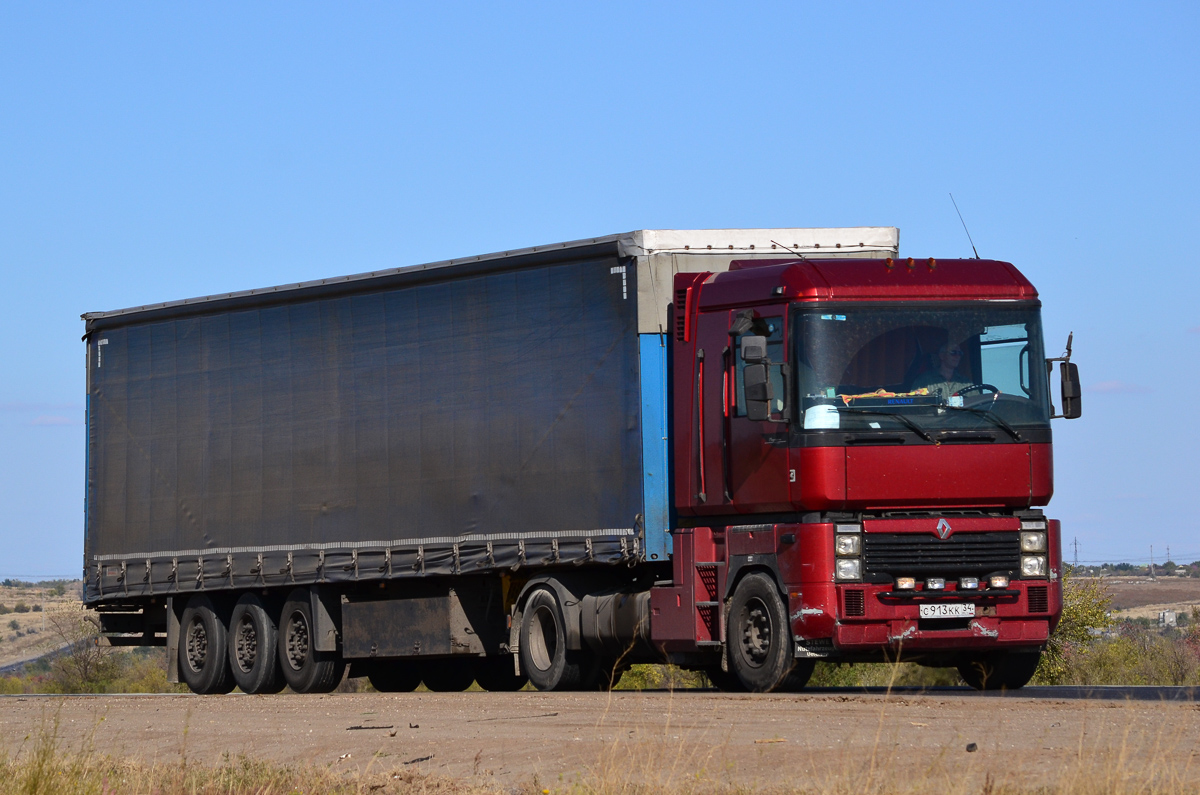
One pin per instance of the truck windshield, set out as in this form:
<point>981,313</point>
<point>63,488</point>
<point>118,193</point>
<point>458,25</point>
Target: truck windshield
<point>858,364</point>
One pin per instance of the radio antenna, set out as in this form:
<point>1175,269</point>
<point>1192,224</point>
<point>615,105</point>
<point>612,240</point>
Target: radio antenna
<point>794,251</point>
<point>964,223</point>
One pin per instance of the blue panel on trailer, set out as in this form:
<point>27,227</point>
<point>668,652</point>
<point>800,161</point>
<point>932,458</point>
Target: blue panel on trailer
<point>655,494</point>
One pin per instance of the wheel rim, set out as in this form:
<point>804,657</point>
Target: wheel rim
<point>297,641</point>
<point>196,645</point>
<point>245,644</point>
<point>543,638</point>
<point>756,632</point>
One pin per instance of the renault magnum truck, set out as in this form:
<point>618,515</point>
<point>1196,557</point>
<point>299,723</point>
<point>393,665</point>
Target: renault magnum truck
<point>740,451</point>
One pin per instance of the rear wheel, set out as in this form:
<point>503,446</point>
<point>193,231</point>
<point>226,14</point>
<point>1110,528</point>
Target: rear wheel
<point>203,665</point>
<point>394,676</point>
<point>447,676</point>
<point>496,674</point>
<point>1003,670</point>
<point>253,637</point>
<point>305,669</point>
<point>545,658</point>
<point>725,681</point>
<point>760,641</point>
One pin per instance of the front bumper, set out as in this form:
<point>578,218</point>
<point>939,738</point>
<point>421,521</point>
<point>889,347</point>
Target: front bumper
<point>857,619</point>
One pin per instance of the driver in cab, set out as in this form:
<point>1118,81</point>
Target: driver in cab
<point>944,379</point>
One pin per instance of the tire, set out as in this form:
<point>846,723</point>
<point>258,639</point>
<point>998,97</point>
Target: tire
<point>495,674</point>
<point>448,676</point>
<point>203,664</point>
<point>759,639</point>
<point>252,640</point>
<point>1004,670</point>
<point>305,669</point>
<point>725,681</point>
<point>543,642</point>
<point>797,678</point>
<point>394,676</point>
<point>602,675</point>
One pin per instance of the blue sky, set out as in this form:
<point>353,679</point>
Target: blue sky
<point>150,152</point>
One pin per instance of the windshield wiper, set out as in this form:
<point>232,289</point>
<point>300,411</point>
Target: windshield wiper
<point>987,414</point>
<point>917,429</point>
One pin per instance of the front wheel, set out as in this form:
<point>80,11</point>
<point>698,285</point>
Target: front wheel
<point>759,639</point>
<point>1004,670</point>
<point>305,669</point>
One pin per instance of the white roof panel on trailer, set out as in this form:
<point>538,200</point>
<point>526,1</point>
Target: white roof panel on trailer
<point>661,253</point>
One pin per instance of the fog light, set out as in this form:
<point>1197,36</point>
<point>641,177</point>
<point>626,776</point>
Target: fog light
<point>849,569</point>
<point>968,584</point>
<point>1033,542</point>
<point>998,581</point>
<point>905,583</point>
<point>847,545</point>
<point>1033,566</point>
<point>935,584</point>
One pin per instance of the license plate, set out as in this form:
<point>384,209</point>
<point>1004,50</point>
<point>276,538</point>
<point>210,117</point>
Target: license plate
<point>948,610</point>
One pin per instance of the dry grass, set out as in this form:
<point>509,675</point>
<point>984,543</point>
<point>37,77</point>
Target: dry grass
<point>1109,756</point>
<point>43,766</point>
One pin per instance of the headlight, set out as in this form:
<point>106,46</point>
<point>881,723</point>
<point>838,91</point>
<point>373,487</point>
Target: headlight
<point>847,545</point>
<point>849,569</point>
<point>968,583</point>
<point>1033,542</point>
<point>905,583</point>
<point>935,584</point>
<point>998,581</point>
<point>1033,566</point>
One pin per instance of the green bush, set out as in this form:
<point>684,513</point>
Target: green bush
<point>21,607</point>
<point>1086,604</point>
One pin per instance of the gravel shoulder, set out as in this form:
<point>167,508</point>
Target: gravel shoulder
<point>664,739</point>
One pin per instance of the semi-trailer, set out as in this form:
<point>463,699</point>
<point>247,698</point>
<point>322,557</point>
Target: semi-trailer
<point>739,451</point>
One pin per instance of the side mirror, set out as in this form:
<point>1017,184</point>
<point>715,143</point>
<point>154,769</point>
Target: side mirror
<point>754,349</point>
<point>1071,393</point>
<point>758,390</point>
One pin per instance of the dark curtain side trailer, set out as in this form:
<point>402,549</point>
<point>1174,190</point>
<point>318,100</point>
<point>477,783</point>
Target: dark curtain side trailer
<point>398,466</point>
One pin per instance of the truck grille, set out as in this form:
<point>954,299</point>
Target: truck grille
<point>912,554</point>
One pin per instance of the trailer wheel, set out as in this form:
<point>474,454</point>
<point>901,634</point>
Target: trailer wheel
<point>759,641</point>
<point>544,655</point>
<point>394,676</point>
<point>447,676</point>
<point>202,661</point>
<point>496,675</point>
<point>253,637</point>
<point>305,669</point>
<point>1004,670</point>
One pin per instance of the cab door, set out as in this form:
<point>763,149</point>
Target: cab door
<point>757,472</point>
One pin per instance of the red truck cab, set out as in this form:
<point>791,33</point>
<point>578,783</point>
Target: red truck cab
<point>866,442</point>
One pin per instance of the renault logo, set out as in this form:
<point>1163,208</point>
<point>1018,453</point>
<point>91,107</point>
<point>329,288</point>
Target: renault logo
<point>943,529</point>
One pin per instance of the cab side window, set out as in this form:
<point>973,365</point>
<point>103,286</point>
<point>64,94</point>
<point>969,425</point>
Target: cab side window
<point>772,329</point>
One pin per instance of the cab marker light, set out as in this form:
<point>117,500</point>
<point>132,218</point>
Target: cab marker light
<point>998,581</point>
<point>905,583</point>
<point>935,584</point>
<point>968,584</point>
